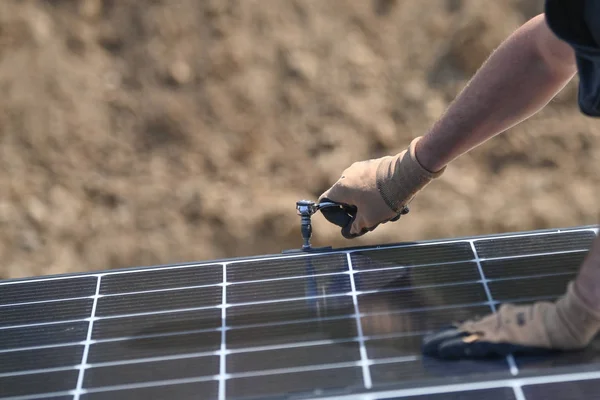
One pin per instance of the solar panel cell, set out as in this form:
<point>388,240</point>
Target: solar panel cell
<point>412,255</point>
<point>184,391</point>
<point>534,244</point>
<point>27,314</point>
<point>381,322</point>
<point>53,397</point>
<point>289,311</point>
<point>316,330</point>
<point>37,384</point>
<point>534,265</point>
<point>206,319</point>
<point>28,360</point>
<point>161,279</point>
<point>483,394</point>
<point>407,345</point>
<point>182,368</point>
<point>577,390</point>
<point>159,301</point>
<point>587,360</point>
<point>406,329</point>
<point>417,276</point>
<point>161,346</point>
<point>422,371</point>
<point>291,383</point>
<point>530,288</point>
<point>286,267</point>
<point>288,289</point>
<point>47,290</point>
<point>293,357</point>
<point>406,299</point>
<point>43,335</point>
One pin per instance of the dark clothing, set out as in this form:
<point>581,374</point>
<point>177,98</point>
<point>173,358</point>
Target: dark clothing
<point>577,22</point>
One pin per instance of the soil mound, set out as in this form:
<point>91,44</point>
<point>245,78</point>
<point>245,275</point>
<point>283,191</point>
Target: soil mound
<point>145,132</point>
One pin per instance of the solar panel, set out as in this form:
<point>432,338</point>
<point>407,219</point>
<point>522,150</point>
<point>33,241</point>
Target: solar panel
<point>340,323</point>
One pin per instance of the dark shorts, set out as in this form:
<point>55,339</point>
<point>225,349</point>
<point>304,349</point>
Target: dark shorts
<point>577,22</point>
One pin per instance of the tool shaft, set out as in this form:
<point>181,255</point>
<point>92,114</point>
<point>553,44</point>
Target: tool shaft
<point>306,229</point>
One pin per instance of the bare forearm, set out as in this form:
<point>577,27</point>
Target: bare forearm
<point>515,82</point>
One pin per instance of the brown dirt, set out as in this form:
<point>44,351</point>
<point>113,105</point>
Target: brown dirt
<point>143,132</point>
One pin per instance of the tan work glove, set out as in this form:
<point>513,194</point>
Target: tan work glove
<point>567,324</point>
<point>379,189</point>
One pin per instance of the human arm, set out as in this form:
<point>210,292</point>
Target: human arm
<point>524,73</point>
<point>520,77</point>
<point>573,320</point>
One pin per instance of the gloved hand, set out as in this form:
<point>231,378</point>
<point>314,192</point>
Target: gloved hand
<point>379,189</point>
<point>541,327</point>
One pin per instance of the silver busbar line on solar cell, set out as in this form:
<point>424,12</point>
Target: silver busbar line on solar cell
<point>334,324</point>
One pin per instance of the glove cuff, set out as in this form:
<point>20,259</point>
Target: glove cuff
<point>581,321</point>
<point>401,177</point>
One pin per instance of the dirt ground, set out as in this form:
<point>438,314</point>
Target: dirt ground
<point>138,132</point>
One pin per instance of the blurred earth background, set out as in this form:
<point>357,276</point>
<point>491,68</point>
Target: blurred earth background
<point>139,132</point>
